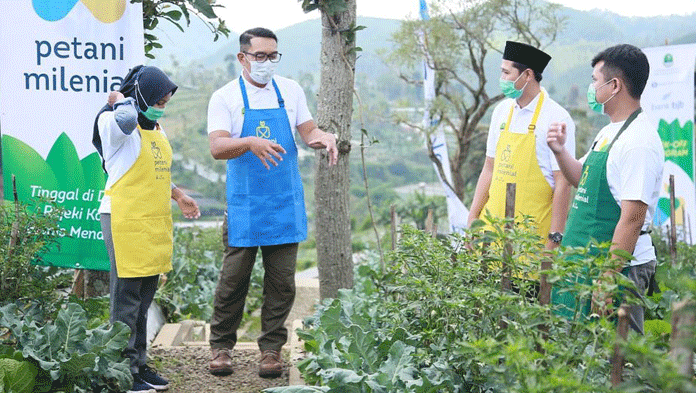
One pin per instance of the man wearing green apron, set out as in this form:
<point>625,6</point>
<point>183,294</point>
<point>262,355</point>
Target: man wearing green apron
<point>619,179</point>
<point>516,150</point>
<point>250,124</point>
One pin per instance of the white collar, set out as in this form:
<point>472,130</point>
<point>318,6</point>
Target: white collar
<point>532,104</point>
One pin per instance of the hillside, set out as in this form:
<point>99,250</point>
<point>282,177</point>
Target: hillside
<point>300,45</point>
<point>583,35</point>
<point>200,66</point>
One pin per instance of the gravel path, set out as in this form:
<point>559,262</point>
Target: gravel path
<point>187,371</point>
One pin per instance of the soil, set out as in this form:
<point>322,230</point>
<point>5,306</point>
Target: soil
<point>186,368</point>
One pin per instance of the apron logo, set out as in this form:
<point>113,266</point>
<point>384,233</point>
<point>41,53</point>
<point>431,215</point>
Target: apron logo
<point>156,152</point>
<point>263,131</point>
<point>583,179</point>
<point>506,154</point>
<point>502,125</point>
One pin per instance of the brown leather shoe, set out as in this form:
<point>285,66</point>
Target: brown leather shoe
<point>221,362</point>
<point>271,366</point>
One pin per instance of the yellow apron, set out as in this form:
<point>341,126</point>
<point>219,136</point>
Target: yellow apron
<point>516,162</point>
<point>141,212</point>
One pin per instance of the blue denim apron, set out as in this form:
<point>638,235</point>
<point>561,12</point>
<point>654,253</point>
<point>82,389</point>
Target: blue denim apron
<point>265,207</point>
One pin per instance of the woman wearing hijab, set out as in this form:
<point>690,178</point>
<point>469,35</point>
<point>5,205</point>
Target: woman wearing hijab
<point>136,217</point>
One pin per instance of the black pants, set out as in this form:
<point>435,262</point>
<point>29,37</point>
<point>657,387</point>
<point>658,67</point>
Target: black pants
<point>129,300</point>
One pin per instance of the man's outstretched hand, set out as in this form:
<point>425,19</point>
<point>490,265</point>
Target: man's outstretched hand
<point>266,150</point>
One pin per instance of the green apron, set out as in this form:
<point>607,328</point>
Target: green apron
<point>593,215</point>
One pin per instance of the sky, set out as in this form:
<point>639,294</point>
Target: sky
<point>276,14</point>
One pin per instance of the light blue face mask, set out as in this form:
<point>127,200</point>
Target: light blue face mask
<point>508,88</point>
<point>592,98</point>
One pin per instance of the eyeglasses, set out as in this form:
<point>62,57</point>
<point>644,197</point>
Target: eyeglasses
<point>261,56</point>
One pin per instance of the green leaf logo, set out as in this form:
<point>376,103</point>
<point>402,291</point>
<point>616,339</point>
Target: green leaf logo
<point>669,60</point>
<point>74,184</point>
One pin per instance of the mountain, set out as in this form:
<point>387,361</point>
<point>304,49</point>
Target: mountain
<point>604,26</point>
<point>588,32</point>
<point>583,34</point>
<point>300,45</point>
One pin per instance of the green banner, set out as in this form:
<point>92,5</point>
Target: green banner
<point>73,184</point>
<point>678,144</point>
<point>677,141</point>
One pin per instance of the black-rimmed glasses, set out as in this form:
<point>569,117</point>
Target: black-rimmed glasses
<point>261,56</point>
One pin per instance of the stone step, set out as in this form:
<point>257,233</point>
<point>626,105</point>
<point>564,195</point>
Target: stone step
<point>197,333</point>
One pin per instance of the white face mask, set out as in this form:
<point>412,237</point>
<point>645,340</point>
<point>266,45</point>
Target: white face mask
<point>262,73</point>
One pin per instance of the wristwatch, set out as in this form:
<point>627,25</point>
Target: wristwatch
<point>556,237</point>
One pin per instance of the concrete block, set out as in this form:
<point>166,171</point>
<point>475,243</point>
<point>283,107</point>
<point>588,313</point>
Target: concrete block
<point>166,335</point>
<point>155,321</point>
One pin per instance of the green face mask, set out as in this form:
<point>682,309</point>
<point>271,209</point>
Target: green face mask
<point>592,98</point>
<point>153,113</point>
<point>508,88</point>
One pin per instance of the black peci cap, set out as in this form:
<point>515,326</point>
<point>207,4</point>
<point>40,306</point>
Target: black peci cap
<point>534,58</point>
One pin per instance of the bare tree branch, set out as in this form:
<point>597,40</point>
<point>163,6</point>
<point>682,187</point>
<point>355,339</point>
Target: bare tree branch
<point>410,81</point>
<point>456,44</point>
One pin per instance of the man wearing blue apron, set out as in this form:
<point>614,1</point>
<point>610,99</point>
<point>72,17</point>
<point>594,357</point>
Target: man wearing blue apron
<point>618,180</point>
<point>250,124</point>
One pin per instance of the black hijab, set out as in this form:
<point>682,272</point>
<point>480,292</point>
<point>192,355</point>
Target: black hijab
<point>147,85</point>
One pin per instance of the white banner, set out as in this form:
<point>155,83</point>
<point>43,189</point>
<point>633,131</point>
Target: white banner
<point>668,100</point>
<point>60,59</point>
<point>457,213</point>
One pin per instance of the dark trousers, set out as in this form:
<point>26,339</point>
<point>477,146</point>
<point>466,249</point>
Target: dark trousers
<point>641,275</point>
<point>129,300</point>
<point>233,285</point>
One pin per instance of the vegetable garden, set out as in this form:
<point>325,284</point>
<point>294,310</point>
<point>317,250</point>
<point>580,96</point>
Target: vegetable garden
<point>436,319</point>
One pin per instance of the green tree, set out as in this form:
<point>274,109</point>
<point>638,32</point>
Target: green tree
<point>457,41</point>
<point>334,112</point>
<point>173,10</point>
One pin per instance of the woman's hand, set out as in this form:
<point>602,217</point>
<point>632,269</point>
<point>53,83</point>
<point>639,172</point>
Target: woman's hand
<point>188,206</point>
<point>114,97</point>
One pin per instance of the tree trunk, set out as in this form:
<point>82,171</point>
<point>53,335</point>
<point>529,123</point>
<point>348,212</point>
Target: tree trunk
<point>90,283</point>
<point>96,283</point>
<point>331,184</point>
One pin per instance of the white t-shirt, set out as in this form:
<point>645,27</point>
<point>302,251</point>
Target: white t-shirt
<point>120,152</point>
<point>634,171</point>
<point>226,104</point>
<point>521,118</point>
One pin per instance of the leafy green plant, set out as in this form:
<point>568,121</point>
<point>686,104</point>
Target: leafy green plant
<point>96,309</point>
<point>16,374</point>
<point>20,278</point>
<point>189,290</point>
<point>414,209</point>
<point>68,356</point>
<point>675,282</point>
<point>438,320</point>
